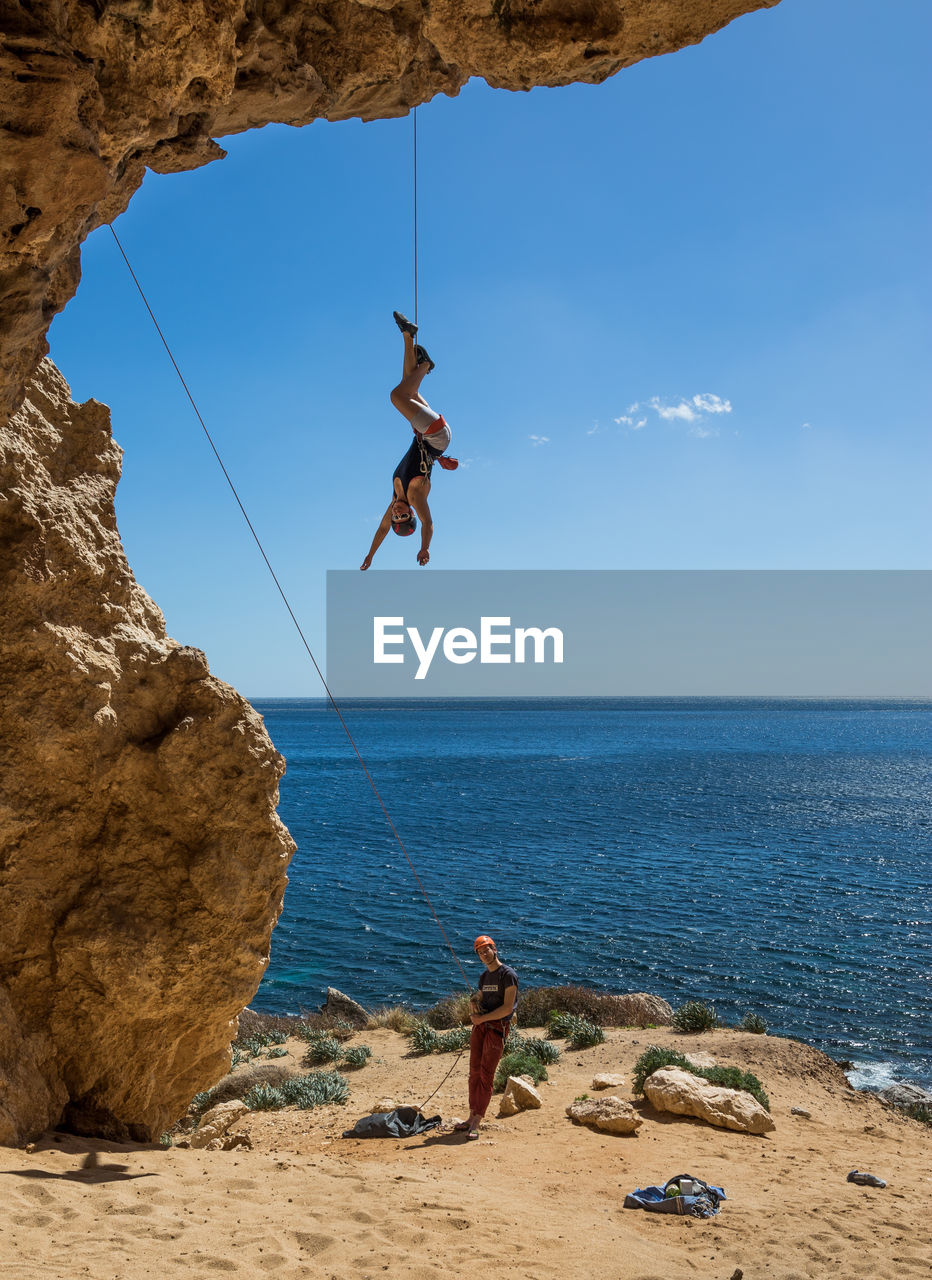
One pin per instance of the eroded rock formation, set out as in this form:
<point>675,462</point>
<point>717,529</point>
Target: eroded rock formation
<point>142,864</point>
<point>92,92</point>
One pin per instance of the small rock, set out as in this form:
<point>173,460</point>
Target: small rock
<point>801,1111</point>
<point>344,1009</point>
<point>217,1121</point>
<point>906,1095</point>
<point>609,1114</point>
<point>519,1095</point>
<point>608,1080</point>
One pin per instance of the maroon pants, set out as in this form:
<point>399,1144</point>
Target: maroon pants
<point>486,1045</point>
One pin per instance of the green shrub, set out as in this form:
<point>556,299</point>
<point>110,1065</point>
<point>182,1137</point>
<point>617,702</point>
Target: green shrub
<point>560,1024</point>
<point>254,1044</point>
<point>166,1140</point>
<point>315,1090</point>
<point>753,1023</point>
<point>518,1064</point>
<point>453,1041</point>
<point>424,1039</point>
<point>316,1026</point>
<point>356,1057</point>
<point>920,1111</point>
<point>695,1015</point>
<point>321,1050</point>
<point>543,1050</point>
<point>515,1040</point>
<point>585,1035</point>
<point>579,1033</point>
<point>278,1052</point>
<point>264,1097</point>
<point>654,1057</point>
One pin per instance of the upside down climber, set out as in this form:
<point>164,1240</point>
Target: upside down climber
<point>411,481</point>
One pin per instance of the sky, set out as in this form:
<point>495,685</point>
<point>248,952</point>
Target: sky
<point>681,320</point>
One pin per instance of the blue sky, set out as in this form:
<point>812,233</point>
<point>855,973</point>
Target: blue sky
<point>681,320</point>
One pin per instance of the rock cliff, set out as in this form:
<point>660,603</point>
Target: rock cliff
<point>142,864</point>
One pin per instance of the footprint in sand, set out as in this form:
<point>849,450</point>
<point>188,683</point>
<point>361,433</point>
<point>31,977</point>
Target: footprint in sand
<point>312,1243</point>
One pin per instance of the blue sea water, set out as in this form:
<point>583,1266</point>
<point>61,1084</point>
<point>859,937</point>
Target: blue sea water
<point>761,855</point>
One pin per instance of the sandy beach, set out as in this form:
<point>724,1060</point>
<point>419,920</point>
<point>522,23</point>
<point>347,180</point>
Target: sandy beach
<point>537,1195</point>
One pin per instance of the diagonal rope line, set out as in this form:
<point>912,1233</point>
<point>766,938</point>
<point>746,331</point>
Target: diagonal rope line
<point>291,612</point>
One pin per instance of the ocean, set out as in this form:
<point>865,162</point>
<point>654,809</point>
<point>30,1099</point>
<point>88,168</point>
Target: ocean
<point>767,856</point>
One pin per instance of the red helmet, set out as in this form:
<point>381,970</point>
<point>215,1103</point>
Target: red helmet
<point>483,941</point>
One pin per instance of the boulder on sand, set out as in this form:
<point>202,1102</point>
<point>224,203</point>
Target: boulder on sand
<point>610,1114</point>
<point>680,1092</point>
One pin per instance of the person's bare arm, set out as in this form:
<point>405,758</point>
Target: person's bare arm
<point>504,1010</point>
<point>417,496</point>
<point>379,538</point>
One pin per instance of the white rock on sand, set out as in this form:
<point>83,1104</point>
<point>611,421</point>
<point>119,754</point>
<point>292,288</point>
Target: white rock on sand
<point>610,1114</point>
<point>680,1092</point>
<point>519,1095</point>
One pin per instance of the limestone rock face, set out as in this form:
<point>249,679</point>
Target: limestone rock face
<point>609,1114</point>
<point>683,1094</point>
<point>93,94</point>
<point>142,864</point>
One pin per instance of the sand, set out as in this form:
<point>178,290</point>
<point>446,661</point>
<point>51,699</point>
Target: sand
<point>535,1197</point>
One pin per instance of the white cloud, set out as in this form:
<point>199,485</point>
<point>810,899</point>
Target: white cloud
<point>669,412</point>
<point>712,404</point>
<point>693,410</point>
<point>536,440</point>
<point>807,426</point>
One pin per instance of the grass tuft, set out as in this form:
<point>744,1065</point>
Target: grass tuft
<point>695,1015</point>
<point>578,1032</point>
<point>394,1018</point>
<point>753,1023</point>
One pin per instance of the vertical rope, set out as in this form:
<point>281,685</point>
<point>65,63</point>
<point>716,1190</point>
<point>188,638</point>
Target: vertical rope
<point>415,215</point>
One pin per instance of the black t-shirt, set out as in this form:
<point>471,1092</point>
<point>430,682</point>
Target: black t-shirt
<point>492,987</point>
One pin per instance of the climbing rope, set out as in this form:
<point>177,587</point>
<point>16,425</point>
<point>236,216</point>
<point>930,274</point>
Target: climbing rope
<point>415,214</point>
<point>291,613</point>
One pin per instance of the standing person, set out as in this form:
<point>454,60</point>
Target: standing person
<point>411,481</point>
<point>492,1011</point>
